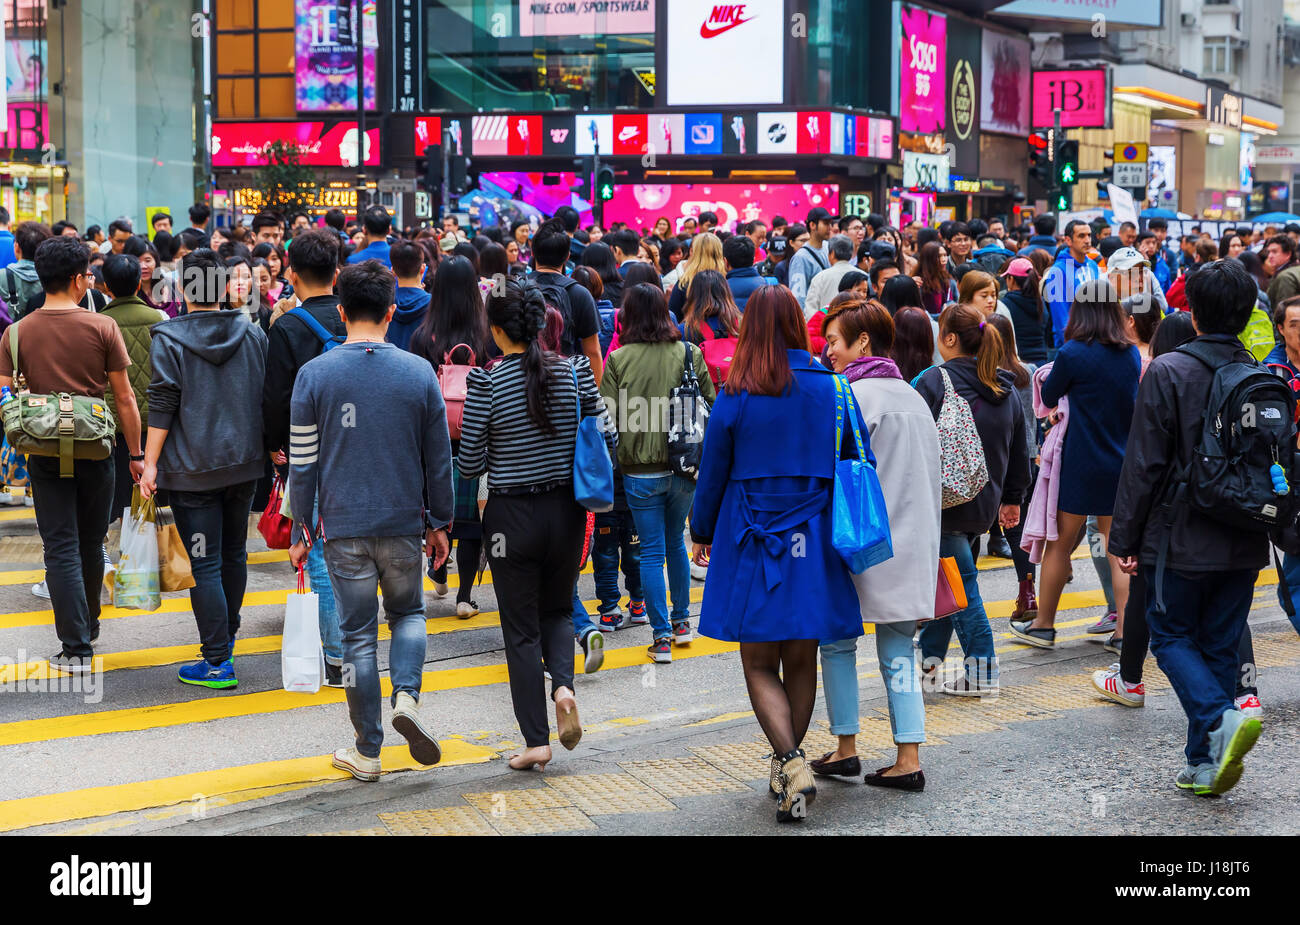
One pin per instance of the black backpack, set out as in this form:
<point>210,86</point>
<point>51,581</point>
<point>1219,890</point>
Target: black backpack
<point>688,415</point>
<point>557,295</point>
<point>1249,425</point>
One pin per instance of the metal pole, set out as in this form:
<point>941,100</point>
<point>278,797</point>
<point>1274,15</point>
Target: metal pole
<point>1056,140</point>
<point>597,206</point>
<point>445,205</point>
<point>359,37</point>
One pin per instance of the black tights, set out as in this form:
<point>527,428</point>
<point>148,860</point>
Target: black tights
<point>782,682</point>
<point>467,557</point>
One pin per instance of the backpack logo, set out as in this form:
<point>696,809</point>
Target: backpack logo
<point>1270,414</point>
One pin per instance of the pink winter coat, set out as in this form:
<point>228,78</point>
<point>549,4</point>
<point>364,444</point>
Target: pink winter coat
<point>1040,519</point>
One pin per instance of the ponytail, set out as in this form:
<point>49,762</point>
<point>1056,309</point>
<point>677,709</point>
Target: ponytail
<point>977,338</point>
<point>521,313</point>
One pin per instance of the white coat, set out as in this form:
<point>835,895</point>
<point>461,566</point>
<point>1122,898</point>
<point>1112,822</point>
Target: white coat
<point>905,442</point>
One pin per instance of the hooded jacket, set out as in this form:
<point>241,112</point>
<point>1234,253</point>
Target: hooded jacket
<point>412,303</point>
<point>1000,423</point>
<point>7,255</point>
<point>1062,279</point>
<point>1033,334</point>
<point>1167,422</point>
<point>206,391</point>
<point>25,285</point>
<point>1038,242</point>
<point>290,345</point>
<point>990,259</point>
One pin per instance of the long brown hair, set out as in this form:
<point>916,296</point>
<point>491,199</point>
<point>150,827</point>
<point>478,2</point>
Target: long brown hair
<point>1009,361</point>
<point>933,272</point>
<point>709,296</point>
<point>1095,315</point>
<point>977,339</point>
<point>774,323</point>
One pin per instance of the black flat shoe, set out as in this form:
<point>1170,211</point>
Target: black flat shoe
<point>845,767</point>
<point>914,782</point>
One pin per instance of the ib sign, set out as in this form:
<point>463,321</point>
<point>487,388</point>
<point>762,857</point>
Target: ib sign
<point>1082,96</point>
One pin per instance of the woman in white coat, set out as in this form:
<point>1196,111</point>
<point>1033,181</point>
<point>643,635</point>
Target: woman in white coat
<point>898,593</point>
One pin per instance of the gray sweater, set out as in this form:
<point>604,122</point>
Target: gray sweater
<point>206,392</point>
<point>368,431</point>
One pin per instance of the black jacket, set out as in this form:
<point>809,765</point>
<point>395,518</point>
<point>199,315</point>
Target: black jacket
<point>1033,328</point>
<point>292,344</point>
<point>1167,422</point>
<point>1001,426</point>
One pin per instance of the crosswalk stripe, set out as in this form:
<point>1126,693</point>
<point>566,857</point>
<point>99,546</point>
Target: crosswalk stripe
<point>27,513</point>
<point>93,802</point>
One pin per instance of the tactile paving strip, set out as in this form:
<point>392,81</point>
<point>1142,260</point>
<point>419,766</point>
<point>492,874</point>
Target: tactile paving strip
<point>448,820</point>
<point>604,794</point>
<point>1068,692</point>
<point>541,821</point>
<point>377,830</point>
<point>515,800</point>
<point>683,777</point>
<point>1276,650</point>
<point>947,720</point>
<point>21,549</point>
<point>744,761</point>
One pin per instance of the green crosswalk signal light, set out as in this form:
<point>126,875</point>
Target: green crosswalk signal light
<point>1067,173</point>
<point>1062,203</point>
<point>605,184</point>
<point>1067,162</point>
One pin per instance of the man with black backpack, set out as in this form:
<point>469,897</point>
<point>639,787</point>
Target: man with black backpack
<point>20,287</point>
<point>1210,454</point>
<point>299,335</point>
<point>581,333</point>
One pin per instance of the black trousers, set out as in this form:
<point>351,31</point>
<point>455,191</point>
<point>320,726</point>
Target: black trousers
<point>72,517</point>
<point>534,543</point>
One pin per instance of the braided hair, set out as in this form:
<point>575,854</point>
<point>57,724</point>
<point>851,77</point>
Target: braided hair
<point>521,314</point>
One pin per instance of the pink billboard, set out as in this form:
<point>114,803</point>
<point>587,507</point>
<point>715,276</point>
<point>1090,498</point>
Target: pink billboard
<point>735,203</point>
<point>586,17</point>
<point>244,144</point>
<point>922,65</point>
<point>1081,95</point>
<point>325,68</point>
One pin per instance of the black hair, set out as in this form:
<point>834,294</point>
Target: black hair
<point>738,250</point>
<point>4,216</point>
<point>159,216</point>
<point>455,315</point>
<point>900,292</point>
<point>121,274</point>
<point>644,317</point>
<point>315,256</point>
<point>1221,295</point>
<point>1157,224</point>
<point>366,291</point>
<point>521,313</point>
<point>626,241</point>
<point>1173,330</point>
<point>166,244</point>
<point>335,219</point>
<point>1045,224</point>
<point>551,244</point>
<point>29,235</point>
<point>569,218</point>
<point>492,261</point>
<point>711,217</point>
<point>203,279</point>
<point>90,232</point>
<point>470,253</point>
<point>977,227</point>
<point>265,220</point>
<point>925,235</point>
<point>406,258</point>
<point>200,213</point>
<point>119,224</point>
<point>666,251</point>
<point>59,260</point>
<point>57,227</point>
<point>600,258</point>
<point>192,238</point>
<point>880,266</point>
<point>641,273</point>
<point>851,279</point>
<point>138,245</point>
<point>376,220</point>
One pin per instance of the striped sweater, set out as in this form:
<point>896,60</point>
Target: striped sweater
<point>368,428</point>
<point>498,436</point>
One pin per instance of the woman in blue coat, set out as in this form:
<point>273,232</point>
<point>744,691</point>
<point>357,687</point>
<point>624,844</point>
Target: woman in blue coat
<point>776,585</point>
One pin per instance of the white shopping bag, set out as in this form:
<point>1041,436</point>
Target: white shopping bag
<point>135,584</point>
<point>302,664</point>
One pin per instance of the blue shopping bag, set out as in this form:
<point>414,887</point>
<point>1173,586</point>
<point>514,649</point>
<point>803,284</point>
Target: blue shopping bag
<point>859,520</point>
<point>593,471</point>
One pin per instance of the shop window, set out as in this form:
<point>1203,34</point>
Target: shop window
<point>277,101</point>
<point>234,54</point>
<point>238,14</point>
<point>275,14</point>
<point>275,52</point>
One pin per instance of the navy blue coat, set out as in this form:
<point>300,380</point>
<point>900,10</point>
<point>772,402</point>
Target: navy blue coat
<point>763,501</point>
<point>742,284</point>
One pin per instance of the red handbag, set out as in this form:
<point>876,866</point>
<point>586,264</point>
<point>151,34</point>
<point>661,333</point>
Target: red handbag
<point>275,528</point>
<point>950,592</point>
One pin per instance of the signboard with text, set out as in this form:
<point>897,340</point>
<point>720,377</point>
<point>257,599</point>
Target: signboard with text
<point>735,203</point>
<point>963,72</point>
<point>325,68</point>
<point>925,171</point>
<point>1082,95</point>
<point>584,17</point>
<point>245,144</point>
<point>706,40</point>
<point>922,68</point>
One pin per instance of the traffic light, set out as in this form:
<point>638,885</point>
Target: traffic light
<point>458,181</point>
<point>1067,173</point>
<point>605,184</point>
<point>582,170</point>
<point>431,171</point>
<point>1040,159</point>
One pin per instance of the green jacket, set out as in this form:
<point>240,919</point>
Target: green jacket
<point>1284,285</point>
<point>135,319</point>
<point>635,386</point>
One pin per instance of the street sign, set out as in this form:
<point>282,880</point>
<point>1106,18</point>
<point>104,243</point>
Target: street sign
<point>1130,175</point>
<point>1130,152</point>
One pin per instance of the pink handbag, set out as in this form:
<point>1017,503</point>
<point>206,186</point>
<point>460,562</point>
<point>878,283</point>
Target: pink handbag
<point>950,592</point>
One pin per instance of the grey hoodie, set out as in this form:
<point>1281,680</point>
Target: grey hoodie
<point>206,391</point>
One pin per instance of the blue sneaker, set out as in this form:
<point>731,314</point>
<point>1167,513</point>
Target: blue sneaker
<point>636,615</point>
<point>204,674</point>
<point>611,621</point>
<point>232,647</point>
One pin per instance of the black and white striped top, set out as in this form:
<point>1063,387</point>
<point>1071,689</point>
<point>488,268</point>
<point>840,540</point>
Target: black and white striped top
<point>498,436</point>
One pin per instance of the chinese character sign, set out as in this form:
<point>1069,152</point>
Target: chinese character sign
<point>922,66</point>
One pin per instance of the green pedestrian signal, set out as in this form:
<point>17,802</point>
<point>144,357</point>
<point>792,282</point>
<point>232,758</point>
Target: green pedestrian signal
<point>1067,173</point>
<point>605,184</point>
<point>1067,162</point>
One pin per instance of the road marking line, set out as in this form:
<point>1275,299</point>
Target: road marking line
<point>93,802</point>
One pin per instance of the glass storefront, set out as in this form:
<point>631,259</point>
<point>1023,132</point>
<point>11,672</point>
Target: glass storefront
<point>31,181</point>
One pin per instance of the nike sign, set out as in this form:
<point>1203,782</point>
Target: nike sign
<point>723,19</point>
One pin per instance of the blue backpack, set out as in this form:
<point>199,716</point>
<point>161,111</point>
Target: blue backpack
<point>607,312</point>
<point>328,341</point>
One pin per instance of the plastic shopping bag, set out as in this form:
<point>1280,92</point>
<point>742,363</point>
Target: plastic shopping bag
<point>302,663</point>
<point>136,583</point>
<point>174,572</point>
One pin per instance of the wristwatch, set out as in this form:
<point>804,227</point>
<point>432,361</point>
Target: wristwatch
<point>139,458</point>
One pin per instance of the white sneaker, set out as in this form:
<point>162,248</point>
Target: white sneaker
<point>406,720</point>
<point>1111,686</point>
<point>357,764</point>
<point>440,588</point>
<point>41,589</point>
<point>1249,704</point>
<point>699,572</point>
<point>466,609</point>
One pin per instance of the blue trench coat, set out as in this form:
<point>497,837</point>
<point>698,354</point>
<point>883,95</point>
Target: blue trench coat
<point>763,501</point>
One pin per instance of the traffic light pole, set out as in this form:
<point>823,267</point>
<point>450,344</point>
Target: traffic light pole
<point>1055,191</point>
<point>444,207</point>
<point>597,204</point>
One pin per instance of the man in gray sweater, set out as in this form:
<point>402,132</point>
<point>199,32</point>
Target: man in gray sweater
<point>368,436</point>
<point>205,449</point>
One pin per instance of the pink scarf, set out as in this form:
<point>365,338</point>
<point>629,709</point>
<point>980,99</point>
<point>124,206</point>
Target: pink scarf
<point>872,368</point>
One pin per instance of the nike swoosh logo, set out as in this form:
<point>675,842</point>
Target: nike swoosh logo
<point>708,32</point>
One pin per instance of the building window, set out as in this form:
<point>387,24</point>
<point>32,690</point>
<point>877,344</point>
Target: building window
<point>254,59</point>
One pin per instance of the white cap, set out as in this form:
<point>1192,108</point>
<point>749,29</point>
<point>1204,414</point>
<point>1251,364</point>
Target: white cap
<point>1126,258</point>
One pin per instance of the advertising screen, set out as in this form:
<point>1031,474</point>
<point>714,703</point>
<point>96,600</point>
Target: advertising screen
<point>1081,95</point>
<point>1004,104</point>
<point>922,68</point>
<point>244,144</point>
<point>325,78</point>
<point>707,40</point>
<point>735,203</point>
<point>586,17</point>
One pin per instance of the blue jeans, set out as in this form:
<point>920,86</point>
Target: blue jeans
<point>331,637</point>
<point>213,526</point>
<point>1291,572</point>
<point>659,507</point>
<point>972,624</point>
<point>582,624</point>
<point>897,657</point>
<point>359,567</point>
<point>615,533</point>
<point>1195,643</point>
